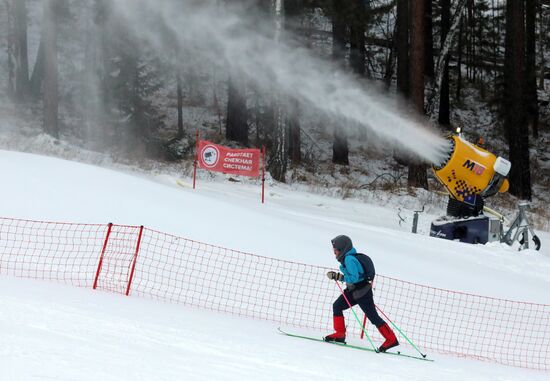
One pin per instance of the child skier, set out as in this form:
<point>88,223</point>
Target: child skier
<point>358,273</point>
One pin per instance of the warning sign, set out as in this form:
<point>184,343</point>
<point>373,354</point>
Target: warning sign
<point>244,162</point>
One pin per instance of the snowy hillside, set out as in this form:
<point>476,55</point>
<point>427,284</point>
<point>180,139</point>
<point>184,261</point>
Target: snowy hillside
<point>59,332</point>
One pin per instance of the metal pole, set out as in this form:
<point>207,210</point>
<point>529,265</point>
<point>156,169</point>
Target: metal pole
<point>415,222</point>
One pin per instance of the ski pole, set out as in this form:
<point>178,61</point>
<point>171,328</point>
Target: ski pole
<point>356,318</point>
<point>363,326</point>
<point>399,330</point>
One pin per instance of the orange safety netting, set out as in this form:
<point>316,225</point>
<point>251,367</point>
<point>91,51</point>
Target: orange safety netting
<point>144,262</point>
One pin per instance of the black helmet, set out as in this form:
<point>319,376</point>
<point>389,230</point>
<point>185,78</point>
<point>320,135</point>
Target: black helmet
<point>342,243</point>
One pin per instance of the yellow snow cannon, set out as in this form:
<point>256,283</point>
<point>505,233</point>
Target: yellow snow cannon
<point>471,172</point>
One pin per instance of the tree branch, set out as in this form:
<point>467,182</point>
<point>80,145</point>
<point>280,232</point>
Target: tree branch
<point>433,98</point>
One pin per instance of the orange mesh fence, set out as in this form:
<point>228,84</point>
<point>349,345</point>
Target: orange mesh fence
<point>144,262</point>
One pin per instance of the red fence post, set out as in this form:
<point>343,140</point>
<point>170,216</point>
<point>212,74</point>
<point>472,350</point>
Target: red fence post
<point>134,260</point>
<point>196,159</point>
<point>263,173</point>
<point>102,254</point>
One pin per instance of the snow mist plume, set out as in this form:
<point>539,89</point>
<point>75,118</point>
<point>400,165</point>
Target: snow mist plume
<point>245,42</point>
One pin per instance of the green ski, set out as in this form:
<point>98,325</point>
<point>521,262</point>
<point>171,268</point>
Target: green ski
<point>352,346</point>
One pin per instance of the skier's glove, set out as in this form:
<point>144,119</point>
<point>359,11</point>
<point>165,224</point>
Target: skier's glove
<point>333,275</point>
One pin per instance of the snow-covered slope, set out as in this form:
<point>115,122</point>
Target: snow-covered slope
<point>52,332</point>
<point>290,225</point>
<point>61,333</point>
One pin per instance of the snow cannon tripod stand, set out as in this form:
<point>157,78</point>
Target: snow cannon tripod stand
<point>520,229</point>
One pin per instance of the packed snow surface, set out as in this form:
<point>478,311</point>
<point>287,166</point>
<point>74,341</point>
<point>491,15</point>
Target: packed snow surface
<point>58,332</point>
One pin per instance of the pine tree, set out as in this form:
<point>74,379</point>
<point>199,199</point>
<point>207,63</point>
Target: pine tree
<point>179,96</point>
<point>237,112</point>
<point>531,54</point>
<point>18,84</point>
<point>402,38</point>
<point>132,78</point>
<point>444,117</point>
<point>292,14</point>
<point>278,159</point>
<point>340,149</point>
<point>356,19</point>
<point>515,117</point>
<point>50,91</point>
<point>429,40</point>
<point>459,61</point>
<point>418,176</point>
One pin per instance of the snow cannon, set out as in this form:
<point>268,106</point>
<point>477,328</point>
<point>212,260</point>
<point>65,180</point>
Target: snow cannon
<point>470,174</point>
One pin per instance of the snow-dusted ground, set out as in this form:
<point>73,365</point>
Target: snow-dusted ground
<point>57,332</point>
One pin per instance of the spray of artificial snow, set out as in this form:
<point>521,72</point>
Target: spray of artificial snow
<point>235,39</point>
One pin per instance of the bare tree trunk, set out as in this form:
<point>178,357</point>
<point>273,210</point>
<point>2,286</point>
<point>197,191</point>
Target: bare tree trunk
<point>530,67</point>
<point>340,147</point>
<point>417,55</point>
<point>402,50</point>
<point>90,105</point>
<point>278,160</point>
<point>515,118</point>
<point>295,136</point>
<point>17,49</point>
<point>50,85</point>
<point>543,30</point>
<point>292,13</point>
<point>418,176</point>
<point>479,47</point>
<point>180,102</point>
<point>429,38</point>
<point>444,118</point>
<point>459,61</point>
<point>390,62</point>
<point>357,54</point>
<point>237,115</point>
<point>37,76</point>
<point>471,41</point>
<point>139,131</point>
<point>340,150</point>
<point>105,24</point>
<point>402,41</point>
<point>443,59</point>
<point>496,33</point>
<point>10,11</point>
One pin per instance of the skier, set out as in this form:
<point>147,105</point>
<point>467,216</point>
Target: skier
<point>358,273</point>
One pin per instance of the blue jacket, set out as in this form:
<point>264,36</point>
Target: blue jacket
<point>351,268</point>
